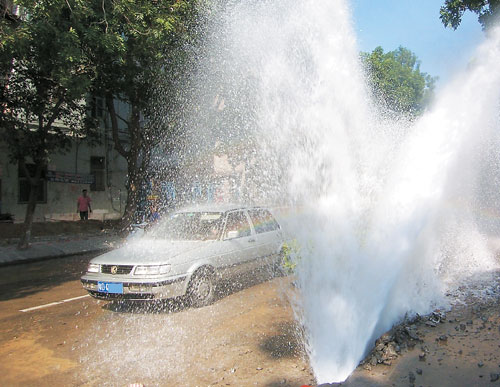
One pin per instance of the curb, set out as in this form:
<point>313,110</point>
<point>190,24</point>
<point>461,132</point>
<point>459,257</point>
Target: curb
<point>21,261</point>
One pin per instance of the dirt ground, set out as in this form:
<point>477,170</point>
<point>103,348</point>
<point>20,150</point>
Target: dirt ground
<point>463,349</point>
<point>446,356</point>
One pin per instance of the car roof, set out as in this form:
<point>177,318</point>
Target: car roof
<point>214,207</point>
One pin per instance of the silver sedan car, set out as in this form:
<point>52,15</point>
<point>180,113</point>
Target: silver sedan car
<point>187,254</point>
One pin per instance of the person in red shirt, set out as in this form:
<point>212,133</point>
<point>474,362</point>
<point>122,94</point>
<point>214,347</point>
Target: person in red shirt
<point>83,206</point>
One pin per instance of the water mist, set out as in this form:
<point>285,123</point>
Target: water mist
<point>385,212</point>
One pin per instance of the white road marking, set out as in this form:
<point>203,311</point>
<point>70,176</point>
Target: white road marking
<point>54,303</point>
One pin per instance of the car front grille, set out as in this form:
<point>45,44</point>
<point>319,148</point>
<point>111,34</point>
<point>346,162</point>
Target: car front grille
<point>120,269</point>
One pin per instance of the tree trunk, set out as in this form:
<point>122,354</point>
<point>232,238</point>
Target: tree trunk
<point>133,186</point>
<point>135,168</point>
<point>24,242</point>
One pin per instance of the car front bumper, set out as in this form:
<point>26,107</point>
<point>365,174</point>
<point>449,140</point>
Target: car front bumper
<point>135,289</point>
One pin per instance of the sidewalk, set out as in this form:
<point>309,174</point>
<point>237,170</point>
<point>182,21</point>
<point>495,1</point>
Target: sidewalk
<point>57,247</point>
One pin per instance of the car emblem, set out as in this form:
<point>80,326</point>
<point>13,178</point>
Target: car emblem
<point>114,269</point>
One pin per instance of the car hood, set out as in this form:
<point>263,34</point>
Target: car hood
<point>152,251</point>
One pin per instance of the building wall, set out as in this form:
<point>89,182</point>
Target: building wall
<point>62,196</point>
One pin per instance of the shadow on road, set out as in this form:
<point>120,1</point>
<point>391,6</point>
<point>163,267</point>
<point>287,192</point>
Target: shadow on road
<point>283,382</point>
<point>147,307</point>
<point>288,343</point>
<point>23,280</point>
<point>224,288</point>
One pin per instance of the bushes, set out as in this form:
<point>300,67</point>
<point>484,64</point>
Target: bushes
<point>291,255</point>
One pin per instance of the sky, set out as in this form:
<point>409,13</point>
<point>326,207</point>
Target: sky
<point>415,24</point>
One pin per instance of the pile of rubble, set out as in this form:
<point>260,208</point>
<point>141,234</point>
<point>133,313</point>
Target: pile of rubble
<point>399,339</point>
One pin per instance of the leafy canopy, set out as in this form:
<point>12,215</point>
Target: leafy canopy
<point>140,49</point>
<point>45,77</point>
<point>129,42</point>
<point>453,10</point>
<point>396,80</point>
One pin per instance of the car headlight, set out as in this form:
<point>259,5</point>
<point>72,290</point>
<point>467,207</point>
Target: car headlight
<point>93,268</point>
<point>151,270</point>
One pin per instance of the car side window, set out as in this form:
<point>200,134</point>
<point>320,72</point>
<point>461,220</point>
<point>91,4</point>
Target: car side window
<point>263,221</point>
<point>237,221</point>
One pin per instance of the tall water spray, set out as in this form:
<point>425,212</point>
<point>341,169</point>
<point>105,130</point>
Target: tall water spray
<point>386,213</point>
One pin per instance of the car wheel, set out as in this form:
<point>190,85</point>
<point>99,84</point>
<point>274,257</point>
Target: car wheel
<point>201,291</point>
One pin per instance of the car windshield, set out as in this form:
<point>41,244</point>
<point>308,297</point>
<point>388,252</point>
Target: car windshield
<point>199,226</point>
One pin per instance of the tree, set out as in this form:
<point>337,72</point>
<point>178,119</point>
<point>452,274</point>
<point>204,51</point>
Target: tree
<point>396,80</point>
<point>137,46</point>
<point>453,10</point>
<point>45,78</point>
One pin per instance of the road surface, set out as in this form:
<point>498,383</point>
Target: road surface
<point>52,333</point>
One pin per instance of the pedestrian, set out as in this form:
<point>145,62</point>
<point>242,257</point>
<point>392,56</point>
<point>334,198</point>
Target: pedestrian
<point>83,205</point>
<point>154,215</point>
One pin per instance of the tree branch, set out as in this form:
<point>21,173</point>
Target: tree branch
<point>33,180</point>
<point>114,126</point>
<point>105,20</point>
<point>69,6</point>
<point>55,113</point>
<point>122,119</point>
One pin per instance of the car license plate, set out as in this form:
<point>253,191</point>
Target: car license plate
<point>110,287</point>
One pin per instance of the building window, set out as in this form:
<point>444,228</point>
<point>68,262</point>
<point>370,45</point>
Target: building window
<point>263,221</point>
<point>98,170</point>
<point>237,221</point>
<point>97,107</point>
<point>25,187</point>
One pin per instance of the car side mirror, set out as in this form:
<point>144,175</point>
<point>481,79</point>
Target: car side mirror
<point>232,234</point>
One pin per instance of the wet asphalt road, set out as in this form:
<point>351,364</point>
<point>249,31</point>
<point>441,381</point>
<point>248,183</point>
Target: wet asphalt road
<point>247,337</point>
<point>51,334</point>
<point>33,343</point>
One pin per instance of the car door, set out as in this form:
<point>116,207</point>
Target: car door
<point>268,236</point>
<point>239,245</point>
